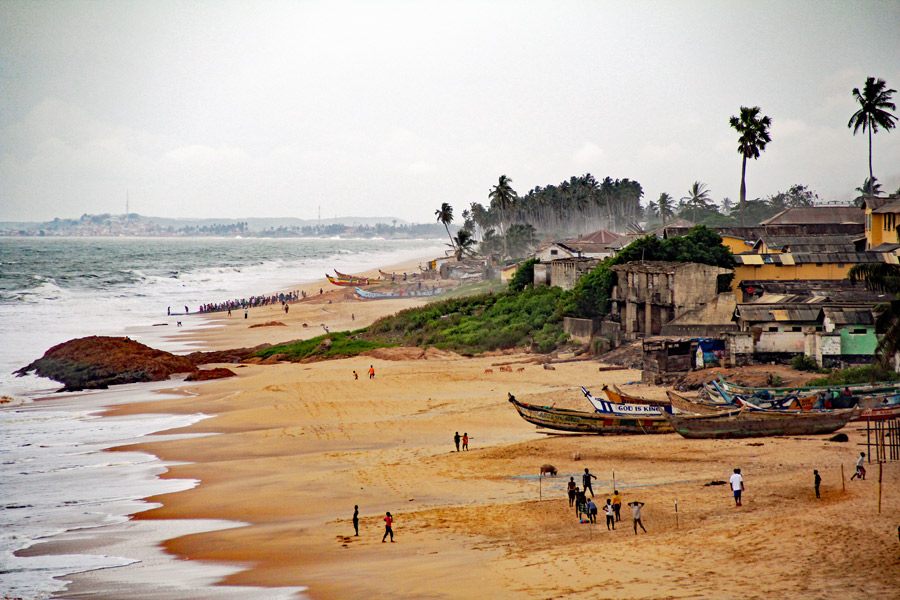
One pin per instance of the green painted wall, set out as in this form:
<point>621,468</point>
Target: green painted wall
<point>858,343</point>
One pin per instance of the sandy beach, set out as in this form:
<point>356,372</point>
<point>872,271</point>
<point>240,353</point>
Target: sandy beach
<point>296,446</point>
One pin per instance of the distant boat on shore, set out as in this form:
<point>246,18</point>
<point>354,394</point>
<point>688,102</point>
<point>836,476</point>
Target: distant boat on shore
<point>748,423</point>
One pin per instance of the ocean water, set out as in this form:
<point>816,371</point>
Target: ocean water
<point>56,480</point>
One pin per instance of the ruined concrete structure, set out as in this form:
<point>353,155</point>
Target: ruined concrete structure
<point>650,294</point>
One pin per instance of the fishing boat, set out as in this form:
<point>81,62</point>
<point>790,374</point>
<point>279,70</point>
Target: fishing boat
<point>685,404</point>
<point>748,424</point>
<point>856,388</point>
<point>878,413</point>
<point>791,402</point>
<point>366,294</point>
<point>348,282</point>
<point>650,411</point>
<point>561,419</point>
<point>619,397</point>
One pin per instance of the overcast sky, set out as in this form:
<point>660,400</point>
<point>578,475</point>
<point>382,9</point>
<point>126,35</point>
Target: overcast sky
<point>249,108</point>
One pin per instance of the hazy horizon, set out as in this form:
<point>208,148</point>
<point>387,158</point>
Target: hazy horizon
<point>225,109</point>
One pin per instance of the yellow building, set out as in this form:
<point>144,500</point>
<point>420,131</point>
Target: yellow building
<point>882,219</point>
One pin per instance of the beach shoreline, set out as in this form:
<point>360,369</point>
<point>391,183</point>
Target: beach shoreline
<point>296,446</point>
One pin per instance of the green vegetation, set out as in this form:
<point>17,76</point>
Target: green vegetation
<point>479,323</point>
<point>801,362</point>
<point>864,374</point>
<point>524,275</point>
<point>332,345</point>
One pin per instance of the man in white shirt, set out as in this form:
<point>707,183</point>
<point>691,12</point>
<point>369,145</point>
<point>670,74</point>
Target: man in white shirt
<point>737,486</point>
<point>636,511</point>
<point>860,469</point>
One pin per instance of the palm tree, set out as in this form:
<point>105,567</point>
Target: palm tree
<point>870,187</point>
<point>727,205</point>
<point>874,102</point>
<point>445,215</point>
<point>465,243</point>
<point>664,207</point>
<point>503,197</point>
<point>698,197</point>
<point>884,278</point>
<point>753,136</point>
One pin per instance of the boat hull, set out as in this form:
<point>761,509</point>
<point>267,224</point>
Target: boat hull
<point>619,397</point>
<point>759,424</point>
<point>584,422</point>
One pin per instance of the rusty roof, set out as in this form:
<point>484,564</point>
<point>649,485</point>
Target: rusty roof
<point>810,215</point>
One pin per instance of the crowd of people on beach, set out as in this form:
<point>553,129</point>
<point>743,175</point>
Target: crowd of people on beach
<point>282,298</point>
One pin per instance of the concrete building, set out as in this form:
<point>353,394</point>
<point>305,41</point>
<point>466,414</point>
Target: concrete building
<point>566,272</point>
<point>591,245</point>
<point>648,295</point>
<point>882,216</point>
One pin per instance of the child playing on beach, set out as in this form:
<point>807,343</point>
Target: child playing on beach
<point>388,521</point>
<point>610,515</point>
<point>465,441</point>
<point>617,504</point>
<point>572,487</point>
<point>636,513</point>
<point>860,469</point>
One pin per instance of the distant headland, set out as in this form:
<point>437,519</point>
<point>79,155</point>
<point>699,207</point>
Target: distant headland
<point>135,225</point>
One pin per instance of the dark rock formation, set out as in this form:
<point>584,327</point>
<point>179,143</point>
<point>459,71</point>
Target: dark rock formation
<point>206,374</point>
<point>97,362</point>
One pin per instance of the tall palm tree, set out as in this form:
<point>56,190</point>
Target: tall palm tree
<point>753,136</point>
<point>874,102</point>
<point>698,197</point>
<point>503,197</point>
<point>885,278</point>
<point>445,215</point>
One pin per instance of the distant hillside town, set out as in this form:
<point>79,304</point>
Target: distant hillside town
<point>132,224</point>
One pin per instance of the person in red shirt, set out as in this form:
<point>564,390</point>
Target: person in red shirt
<point>371,371</point>
<point>465,441</point>
<point>388,521</point>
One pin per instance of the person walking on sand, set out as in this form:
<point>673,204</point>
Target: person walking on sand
<point>860,469</point>
<point>610,515</point>
<point>586,481</point>
<point>580,501</point>
<point>636,513</point>
<point>371,371</point>
<point>456,439</point>
<point>388,521</point>
<point>592,511</point>
<point>817,481</point>
<point>355,375</point>
<point>356,519</point>
<point>465,441</point>
<point>572,487</point>
<point>737,486</point>
<point>617,504</point>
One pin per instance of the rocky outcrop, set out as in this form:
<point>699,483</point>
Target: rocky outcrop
<point>97,362</point>
<point>207,374</point>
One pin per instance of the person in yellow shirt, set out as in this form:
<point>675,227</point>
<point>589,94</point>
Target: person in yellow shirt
<point>617,504</point>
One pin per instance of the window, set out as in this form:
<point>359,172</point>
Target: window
<point>840,265</point>
<point>796,329</point>
<point>859,331</point>
<point>868,222</point>
<point>818,264</point>
<point>554,252</point>
<point>773,329</point>
<point>819,328</point>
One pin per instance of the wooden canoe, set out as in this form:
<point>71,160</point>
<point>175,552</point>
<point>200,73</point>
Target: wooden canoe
<point>856,388</point>
<point>619,397</point>
<point>623,409</point>
<point>749,424</point>
<point>685,404</point>
<point>561,419</point>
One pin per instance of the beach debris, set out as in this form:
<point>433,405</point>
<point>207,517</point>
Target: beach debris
<point>547,468</point>
<point>841,437</point>
<point>269,324</point>
<point>549,367</point>
<point>714,482</point>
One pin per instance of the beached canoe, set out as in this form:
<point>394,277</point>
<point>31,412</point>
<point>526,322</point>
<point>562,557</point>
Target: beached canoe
<point>561,419</point>
<point>347,282</point>
<point>856,388</point>
<point>366,294</point>
<point>748,424</point>
<point>619,397</point>
<point>685,404</point>
<point>621,409</point>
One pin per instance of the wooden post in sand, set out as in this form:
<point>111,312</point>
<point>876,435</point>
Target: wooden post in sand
<point>614,479</point>
<point>843,488</point>
<point>676,514</point>
<point>541,486</point>
<point>879,487</point>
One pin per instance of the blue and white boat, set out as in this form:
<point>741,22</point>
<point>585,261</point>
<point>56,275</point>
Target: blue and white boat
<point>625,409</point>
